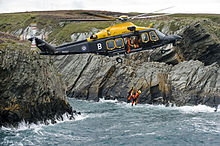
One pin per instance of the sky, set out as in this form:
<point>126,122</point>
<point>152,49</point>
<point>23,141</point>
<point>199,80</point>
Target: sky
<point>143,6</point>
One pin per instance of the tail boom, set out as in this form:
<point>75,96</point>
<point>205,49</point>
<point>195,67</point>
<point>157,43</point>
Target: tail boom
<point>46,49</point>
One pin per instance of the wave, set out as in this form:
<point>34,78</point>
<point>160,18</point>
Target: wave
<point>196,109</point>
<point>184,109</point>
<point>80,117</point>
<point>22,126</point>
<point>103,100</point>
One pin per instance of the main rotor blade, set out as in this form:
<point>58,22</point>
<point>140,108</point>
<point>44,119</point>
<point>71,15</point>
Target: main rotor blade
<point>71,20</point>
<point>99,15</point>
<point>151,12</point>
<point>153,16</point>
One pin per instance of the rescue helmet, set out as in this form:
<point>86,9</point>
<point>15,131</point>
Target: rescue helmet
<point>139,91</point>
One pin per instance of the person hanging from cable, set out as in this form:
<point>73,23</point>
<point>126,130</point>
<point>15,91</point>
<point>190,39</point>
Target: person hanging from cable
<point>134,95</point>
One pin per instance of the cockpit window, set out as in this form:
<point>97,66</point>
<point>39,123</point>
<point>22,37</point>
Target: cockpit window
<point>160,34</point>
<point>119,43</point>
<point>110,44</point>
<point>144,37</point>
<point>153,36</point>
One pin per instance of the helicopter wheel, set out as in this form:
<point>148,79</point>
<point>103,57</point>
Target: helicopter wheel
<point>162,51</point>
<point>119,60</point>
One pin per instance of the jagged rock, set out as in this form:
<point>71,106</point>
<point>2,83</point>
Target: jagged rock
<point>193,79</point>
<point>30,88</point>
<point>193,75</point>
<point>93,77</point>
<point>201,41</point>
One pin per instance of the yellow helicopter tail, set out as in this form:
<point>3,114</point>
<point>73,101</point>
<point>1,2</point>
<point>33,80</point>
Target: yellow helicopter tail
<point>150,25</point>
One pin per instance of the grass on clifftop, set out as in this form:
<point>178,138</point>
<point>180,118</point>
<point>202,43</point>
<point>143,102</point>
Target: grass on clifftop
<point>11,42</point>
<point>10,22</point>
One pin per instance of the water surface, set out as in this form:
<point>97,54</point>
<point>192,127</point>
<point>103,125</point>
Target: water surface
<point>115,123</point>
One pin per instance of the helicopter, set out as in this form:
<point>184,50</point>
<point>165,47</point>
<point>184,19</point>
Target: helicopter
<point>116,40</point>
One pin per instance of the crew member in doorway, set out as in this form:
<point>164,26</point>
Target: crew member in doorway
<point>128,40</point>
<point>135,42</point>
<point>134,96</point>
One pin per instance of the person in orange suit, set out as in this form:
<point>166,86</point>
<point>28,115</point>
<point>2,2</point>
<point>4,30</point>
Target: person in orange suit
<point>134,96</point>
<point>129,45</point>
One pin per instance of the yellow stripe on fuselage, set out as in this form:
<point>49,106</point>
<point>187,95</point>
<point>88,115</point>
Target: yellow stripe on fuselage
<point>116,30</point>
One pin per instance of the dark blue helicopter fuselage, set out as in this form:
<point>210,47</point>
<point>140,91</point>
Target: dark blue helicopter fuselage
<point>111,46</point>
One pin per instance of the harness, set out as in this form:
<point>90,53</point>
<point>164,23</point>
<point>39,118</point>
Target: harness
<point>134,96</point>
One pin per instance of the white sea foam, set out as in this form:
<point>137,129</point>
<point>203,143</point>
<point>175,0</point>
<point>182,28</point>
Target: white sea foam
<point>102,100</point>
<point>22,126</point>
<point>196,109</point>
<point>80,117</point>
<point>184,109</point>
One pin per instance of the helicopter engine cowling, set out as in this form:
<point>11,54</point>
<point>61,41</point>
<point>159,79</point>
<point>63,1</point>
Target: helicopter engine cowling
<point>132,28</point>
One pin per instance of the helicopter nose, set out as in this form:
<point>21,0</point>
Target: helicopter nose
<point>177,37</point>
<point>171,39</point>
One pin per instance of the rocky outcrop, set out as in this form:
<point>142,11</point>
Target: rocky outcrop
<point>98,77</point>
<point>194,83</point>
<point>201,41</point>
<point>174,78</point>
<point>30,87</point>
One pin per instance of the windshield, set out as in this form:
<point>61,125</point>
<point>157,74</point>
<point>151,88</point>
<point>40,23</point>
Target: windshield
<point>160,34</point>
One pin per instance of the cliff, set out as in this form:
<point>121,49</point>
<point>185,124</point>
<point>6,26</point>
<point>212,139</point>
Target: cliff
<point>188,74</point>
<point>31,90</point>
<point>201,41</point>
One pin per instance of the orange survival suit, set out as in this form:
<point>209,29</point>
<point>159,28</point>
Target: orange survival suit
<point>134,96</point>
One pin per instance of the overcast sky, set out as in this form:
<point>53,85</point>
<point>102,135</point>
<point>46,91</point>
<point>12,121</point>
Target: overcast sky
<point>181,6</point>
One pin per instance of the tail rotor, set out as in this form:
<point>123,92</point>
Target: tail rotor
<point>31,33</point>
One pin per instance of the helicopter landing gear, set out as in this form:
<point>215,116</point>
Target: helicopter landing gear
<point>162,51</point>
<point>119,60</point>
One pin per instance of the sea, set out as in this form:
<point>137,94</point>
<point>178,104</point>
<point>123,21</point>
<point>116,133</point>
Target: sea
<point>110,122</point>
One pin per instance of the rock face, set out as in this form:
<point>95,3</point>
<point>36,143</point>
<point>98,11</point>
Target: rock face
<point>102,77</point>
<point>201,41</point>
<point>198,83</point>
<point>191,82</point>
<point>30,88</point>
